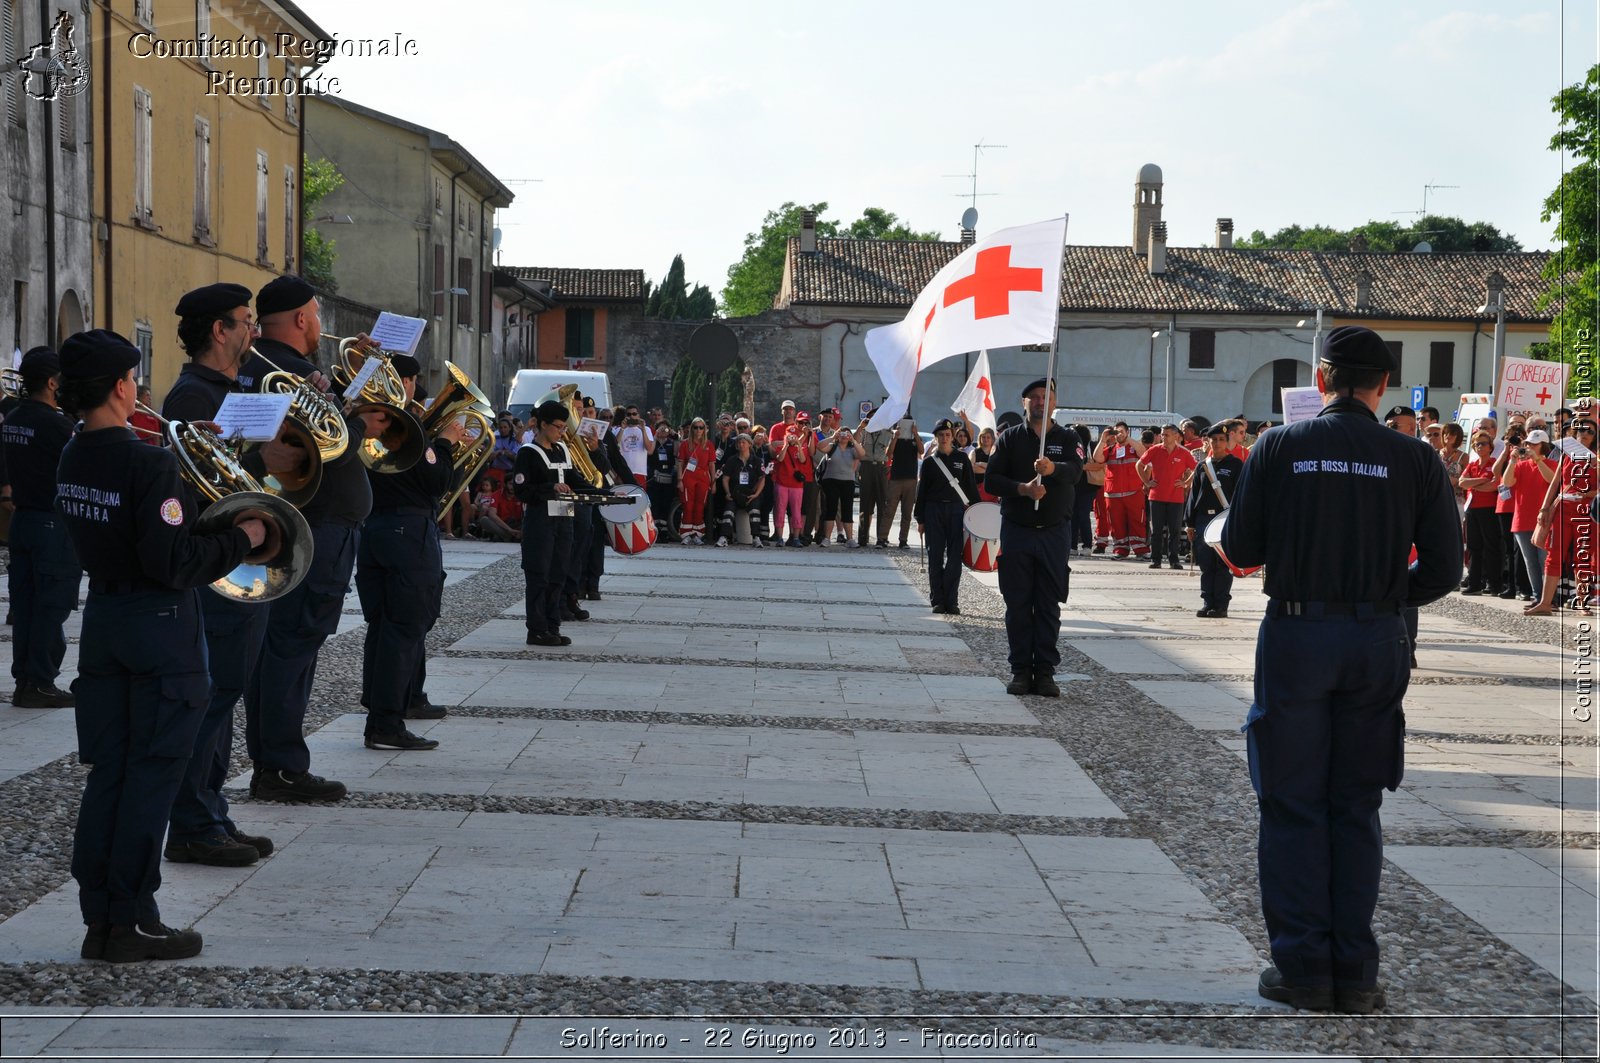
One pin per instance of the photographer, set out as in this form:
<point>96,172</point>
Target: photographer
<point>635,443</point>
<point>840,456</point>
<point>663,486</point>
<point>1516,582</point>
<point>1527,474</point>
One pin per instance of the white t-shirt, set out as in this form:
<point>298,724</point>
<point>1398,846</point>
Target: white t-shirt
<point>631,440</point>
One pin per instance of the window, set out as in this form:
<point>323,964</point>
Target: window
<point>1394,352</point>
<point>202,179</point>
<point>67,122</point>
<point>1202,349</point>
<point>1441,365</point>
<point>10,26</point>
<point>143,208</point>
<point>438,195</point>
<point>464,302</point>
<point>145,12</point>
<point>144,339</point>
<point>1285,372</point>
<point>438,285</point>
<point>291,104</point>
<point>580,334</point>
<point>485,301</point>
<point>472,220</point>
<point>263,71</point>
<point>261,208</point>
<point>19,313</point>
<point>289,212</point>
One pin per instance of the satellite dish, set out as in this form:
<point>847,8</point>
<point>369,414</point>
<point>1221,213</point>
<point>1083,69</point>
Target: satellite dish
<point>1422,248</point>
<point>497,235</point>
<point>969,218</point>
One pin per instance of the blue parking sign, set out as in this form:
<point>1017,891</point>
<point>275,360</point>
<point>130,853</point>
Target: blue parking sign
<point>1419,398</point>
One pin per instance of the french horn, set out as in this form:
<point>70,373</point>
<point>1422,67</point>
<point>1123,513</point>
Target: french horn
<point>401,445</point>
<point>313,414</point>
<point>461,400</point>
<point>232,495</point>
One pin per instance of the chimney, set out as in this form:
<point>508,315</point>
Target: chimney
<point>1224,232</point>
<point>1363,287</point>
<point>1358,243</point>
<point>808,232</point>
<point>1146,205</point>
<point>969,236</point>
<point>1158,248</point>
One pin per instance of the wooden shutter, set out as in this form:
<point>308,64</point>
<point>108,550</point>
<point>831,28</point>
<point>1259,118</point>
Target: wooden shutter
<point>143,208</point>
<point>1441,365</point>
<point>440,280</point>
<point>262,172</point>
<point>202,176</point>
<point>485,301</point>
<point>464,302</point>
<point>11,46</point>
<point>290,244</point>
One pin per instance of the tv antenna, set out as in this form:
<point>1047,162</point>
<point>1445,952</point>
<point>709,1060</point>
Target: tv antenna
<point>1425,190</point>
<point>977,149</point>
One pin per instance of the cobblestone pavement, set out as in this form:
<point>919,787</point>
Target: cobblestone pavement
<point>768,805</point>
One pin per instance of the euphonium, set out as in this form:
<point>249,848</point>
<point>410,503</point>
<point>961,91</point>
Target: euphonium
<point>402,443</point>
<point>565,394</point>
<point>318,416</point>
<point>232,495</point>
<point>460,400</point>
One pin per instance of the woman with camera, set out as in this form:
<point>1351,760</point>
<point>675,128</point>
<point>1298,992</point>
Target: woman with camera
<point>1528,472</point>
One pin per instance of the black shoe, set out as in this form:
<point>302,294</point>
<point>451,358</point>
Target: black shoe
<point>216,851</point>
<point>1306,998</point>
<point>1020,684</point>
<point>41,696</point>
<point>1175,564</point>
<point>1155,564</point>
<point>1204,613</point>
<point>951,610</point>
<point>1220,614</point>
<point>578,612</point>
<point>1045,686</point>
<point>425,710</point>
<point>544,638</point>
<point>401,739</point>
<point>296,787</point>
<point>938,609</point>
<point>1353,1001</point>
<point>1413,661</point>
<point>1508,595</point>
<point>94,941</point>
<point>1471,592</point>
<point>150,941</point>
<point>262,845</point>
<point>591,596</point>
<point>563,640</point>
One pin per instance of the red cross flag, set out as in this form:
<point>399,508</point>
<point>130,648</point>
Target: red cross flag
<point>976,400</point>
<point>1000,292</point>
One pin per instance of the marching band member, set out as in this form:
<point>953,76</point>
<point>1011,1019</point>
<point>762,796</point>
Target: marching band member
<point>945,490</point>
<point>44,571</point>
<point>543,480</point>
<point>1216,581</point>
<point>142,683</point>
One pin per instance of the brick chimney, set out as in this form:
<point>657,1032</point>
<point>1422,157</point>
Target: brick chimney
<point>1224,232</point>
<point>969,236</point>
<point>1157,259</point>
<point>1358,243</point>
<point>1363,289</point>
<point>808,232</point>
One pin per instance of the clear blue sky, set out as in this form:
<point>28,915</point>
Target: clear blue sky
<point>661,128</point>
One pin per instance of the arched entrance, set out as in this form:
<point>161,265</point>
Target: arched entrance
<point>69,316</point>
<point>1262,400</point>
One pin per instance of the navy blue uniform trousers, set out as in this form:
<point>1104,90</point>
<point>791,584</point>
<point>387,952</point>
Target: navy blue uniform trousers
<point>234,631</point>
<point>945,536</point>
<point>1216,580</point>
<point>546,552</point>
<point>44,583</point>
<point>1325,738</point>
<point>297,625</point>
<point>1033,582</point>
<point>142,690</point>
<point>586,527</point>
<point>398,567</point>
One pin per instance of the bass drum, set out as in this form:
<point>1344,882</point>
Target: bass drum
<point>980,537</point>
<point>1212,537</point>
<point>631,528</point>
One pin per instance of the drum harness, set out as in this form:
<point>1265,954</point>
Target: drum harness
<point>556,507</point>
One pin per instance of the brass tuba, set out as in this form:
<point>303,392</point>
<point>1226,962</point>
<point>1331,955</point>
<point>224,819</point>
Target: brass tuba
<point>565,394</point>
<point>460,400</point>
<point>232,495</point>
<point>402,443</point>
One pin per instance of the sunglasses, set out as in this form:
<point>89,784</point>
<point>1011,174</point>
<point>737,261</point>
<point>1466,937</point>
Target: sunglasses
<point>1583,428</point>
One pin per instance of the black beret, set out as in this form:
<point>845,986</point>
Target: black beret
<point>1008,419</point>
<point>213,300</point>
<point>552,411</point>
<point>406,366</point>
<point>1041,382</point>
<point>945,425</point>
<point>40,360</point>
<point>1218,429</point>
<point>283,293</point>
<point>1401,411</point>
<point>96,354</point>
<point>1354,347</point>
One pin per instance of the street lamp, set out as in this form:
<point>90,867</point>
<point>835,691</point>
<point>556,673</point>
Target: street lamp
<point>1496,304</point>
<point>1316,337</point>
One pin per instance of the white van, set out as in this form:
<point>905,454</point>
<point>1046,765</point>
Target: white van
<point>1098,419</point>
<point>531,385</point>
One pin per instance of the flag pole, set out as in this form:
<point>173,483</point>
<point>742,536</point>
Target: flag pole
<point>1050,362</point>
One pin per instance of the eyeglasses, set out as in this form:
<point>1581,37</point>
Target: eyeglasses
<point>1583,428</point>
<point>246,322</point>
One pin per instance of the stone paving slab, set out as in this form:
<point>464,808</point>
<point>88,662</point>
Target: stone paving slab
<point>759,614</point>
<point>754,565</point>
<point>844,694</point>
<point>807,591</point>
<point>873,652</point>
<point>670,762</point>
<point>1236,656</point>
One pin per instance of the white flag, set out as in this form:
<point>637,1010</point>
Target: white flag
<point>976,400</point>
<point>1000,292</point>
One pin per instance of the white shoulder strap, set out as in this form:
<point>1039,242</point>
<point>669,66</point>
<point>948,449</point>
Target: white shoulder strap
<point>954,485</point>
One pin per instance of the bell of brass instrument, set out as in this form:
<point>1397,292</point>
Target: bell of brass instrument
<point>576,450</point>
<point>232,495</point>
<point>401,445</point>
<point>11,383</point>
<point>318,417</point>
<point>461,400</point>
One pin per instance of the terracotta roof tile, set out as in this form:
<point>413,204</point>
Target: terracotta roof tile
<point>584,285</point>
<point>889,274</point>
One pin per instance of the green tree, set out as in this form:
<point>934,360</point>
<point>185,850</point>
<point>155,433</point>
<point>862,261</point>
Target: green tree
<point>1573,271</point>
<point>673,300</point>
<point>319,177</point>
<point>754,280</point>
<point>1443,233</point>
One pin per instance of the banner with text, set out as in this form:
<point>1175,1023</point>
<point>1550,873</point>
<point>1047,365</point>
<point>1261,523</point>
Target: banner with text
<point>1531,386</point>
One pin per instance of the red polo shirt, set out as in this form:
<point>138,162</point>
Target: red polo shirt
<point>1168,468</point>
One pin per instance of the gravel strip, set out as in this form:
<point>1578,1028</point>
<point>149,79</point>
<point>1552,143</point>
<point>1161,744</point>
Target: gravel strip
<point>796,723</point>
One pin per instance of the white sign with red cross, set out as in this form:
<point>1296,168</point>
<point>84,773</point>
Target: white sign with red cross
<point>1531,386</point>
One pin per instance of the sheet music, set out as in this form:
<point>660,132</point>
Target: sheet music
<point>364,374</point>
<point>255,418</point>
<point>1300,404</point>
<point>397,333</point>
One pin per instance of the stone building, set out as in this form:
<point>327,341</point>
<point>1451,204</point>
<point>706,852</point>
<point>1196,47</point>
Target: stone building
<point>46,233</point>
<point>421,239</point>
<point>165,137</point>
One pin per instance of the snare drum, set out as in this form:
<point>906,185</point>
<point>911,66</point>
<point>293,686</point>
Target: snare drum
<point>631,528</point>
<point>1212,537</point>
<point>980,537</point>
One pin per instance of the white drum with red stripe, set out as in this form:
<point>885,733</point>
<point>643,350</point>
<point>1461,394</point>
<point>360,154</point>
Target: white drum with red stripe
<point>980,537</point>
<point>1212,537</point>
<point>630,528</point>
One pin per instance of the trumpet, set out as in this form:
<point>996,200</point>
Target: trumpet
<point>402,443</point>
<point>232,495</point>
